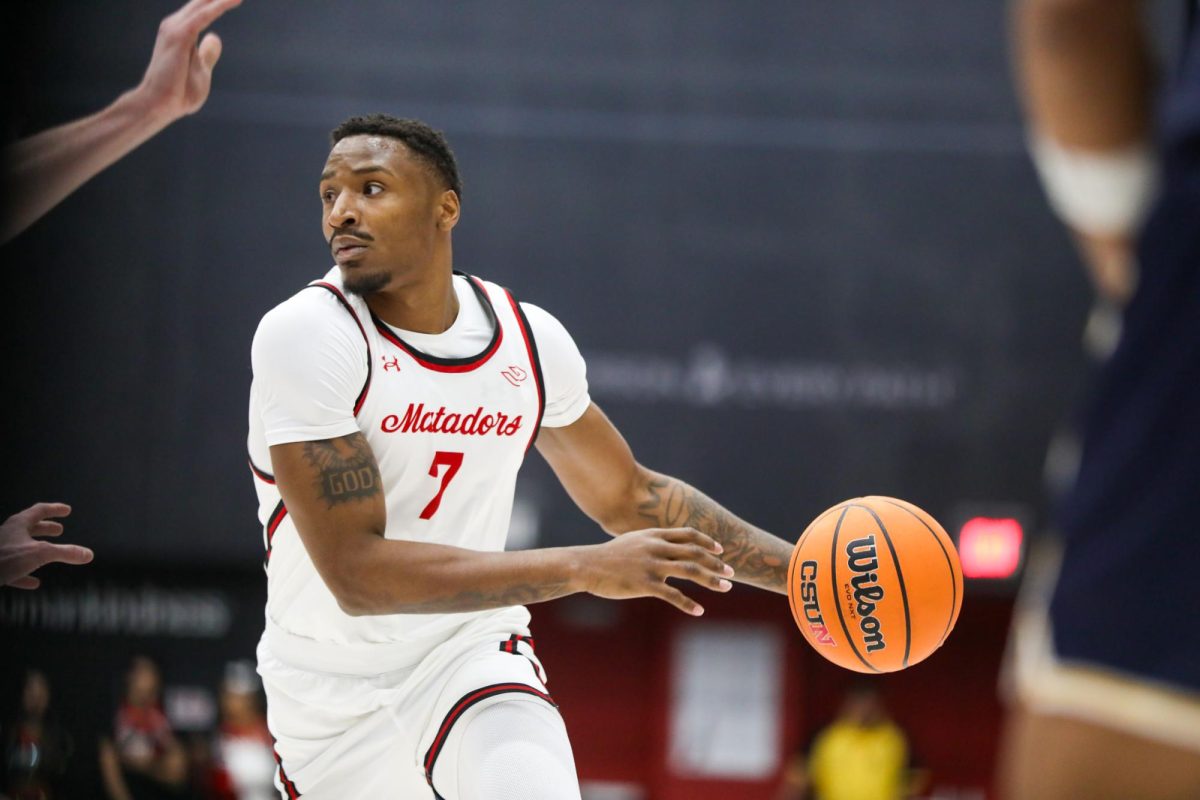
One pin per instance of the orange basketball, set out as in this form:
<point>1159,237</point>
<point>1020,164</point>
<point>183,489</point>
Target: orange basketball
<point>875,584</point>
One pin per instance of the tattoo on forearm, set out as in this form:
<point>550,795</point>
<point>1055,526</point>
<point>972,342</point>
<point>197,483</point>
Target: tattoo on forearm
<point>346,469</point>
<point>755,555</point>
<point>474,600</point>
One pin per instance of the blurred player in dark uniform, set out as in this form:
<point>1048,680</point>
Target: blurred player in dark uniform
<point>1106,664</point>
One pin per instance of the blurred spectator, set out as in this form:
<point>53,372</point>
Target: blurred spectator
<point>861,755</point>
<point>143,760</point>
<point>244,757</point>
<point>36,747</point>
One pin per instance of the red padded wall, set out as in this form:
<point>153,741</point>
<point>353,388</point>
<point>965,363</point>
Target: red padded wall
<point>610,671</point>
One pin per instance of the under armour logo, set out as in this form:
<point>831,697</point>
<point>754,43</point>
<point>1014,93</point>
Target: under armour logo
<point>514,374</point>
<point>394,363</point>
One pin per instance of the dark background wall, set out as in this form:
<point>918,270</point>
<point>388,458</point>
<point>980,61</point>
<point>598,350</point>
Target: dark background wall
<point>799,244</point>
<point>801,247</point>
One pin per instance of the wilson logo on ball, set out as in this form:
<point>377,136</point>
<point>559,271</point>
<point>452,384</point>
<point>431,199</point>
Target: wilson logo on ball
<point>811,608</point>
<point>887,578</point>
<point>867,591</point>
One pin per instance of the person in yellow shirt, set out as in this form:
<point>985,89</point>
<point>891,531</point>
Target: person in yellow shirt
<point>861,755</point>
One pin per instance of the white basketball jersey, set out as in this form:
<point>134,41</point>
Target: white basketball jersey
<point>449,436</point>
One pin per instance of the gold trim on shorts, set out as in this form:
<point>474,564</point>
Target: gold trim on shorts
<point>1036,677</point>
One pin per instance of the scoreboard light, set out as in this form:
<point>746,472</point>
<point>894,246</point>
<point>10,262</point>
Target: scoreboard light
<point>990,547</point>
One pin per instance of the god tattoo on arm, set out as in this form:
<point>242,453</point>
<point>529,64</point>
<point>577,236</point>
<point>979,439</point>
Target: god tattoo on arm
<point>346,469</point>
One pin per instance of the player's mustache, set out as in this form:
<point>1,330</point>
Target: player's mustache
<point>356,234</point>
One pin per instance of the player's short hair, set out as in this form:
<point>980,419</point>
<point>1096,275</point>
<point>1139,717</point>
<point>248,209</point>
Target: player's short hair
<point>425,143</point>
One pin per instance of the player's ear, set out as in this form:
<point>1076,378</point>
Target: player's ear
<point>447,210</point>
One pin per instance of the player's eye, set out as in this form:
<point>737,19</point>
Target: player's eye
<point>372,189</point>
<point>328,196</point>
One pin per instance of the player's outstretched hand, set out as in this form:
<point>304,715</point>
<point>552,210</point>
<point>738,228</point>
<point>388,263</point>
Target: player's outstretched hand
<point>21,553</point>
<point>179,77</point>
<point>638,564</point>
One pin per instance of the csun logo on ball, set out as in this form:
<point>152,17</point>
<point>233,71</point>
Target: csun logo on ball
<point>812,609</point>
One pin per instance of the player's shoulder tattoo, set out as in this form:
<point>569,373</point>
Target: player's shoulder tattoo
<point>346,469</point>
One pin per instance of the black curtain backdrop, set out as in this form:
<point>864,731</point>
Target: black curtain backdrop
<point>800,245</point>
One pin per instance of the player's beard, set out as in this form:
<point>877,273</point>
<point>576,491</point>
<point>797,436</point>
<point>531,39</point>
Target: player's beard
<point>363,282</point>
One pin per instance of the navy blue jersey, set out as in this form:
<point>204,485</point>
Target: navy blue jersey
<point>1126,597</point>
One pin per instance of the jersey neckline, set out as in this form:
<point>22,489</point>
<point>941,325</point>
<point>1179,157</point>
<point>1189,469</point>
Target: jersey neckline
<point>438,363</point>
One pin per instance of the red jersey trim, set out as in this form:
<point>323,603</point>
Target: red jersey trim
<point>262,475</point>
<point>534,361</point>
<point>436,364</point>
<point>362,396</point>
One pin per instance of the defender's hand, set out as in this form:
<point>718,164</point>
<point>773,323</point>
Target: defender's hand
<point>179,77</point>
<point>638,564</point>
<point>1111,266</point>
<point>21,553</point>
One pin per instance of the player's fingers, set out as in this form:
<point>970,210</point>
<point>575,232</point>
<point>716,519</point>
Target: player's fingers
<point>46,528</point>
<point>692,536</point>
<point>65,554</point>
<point>678,599</point>
<point>209,50</point>
<point>692,571</point>
<point>40,511</point>
<point>28,582</point>
<point>696,553</point>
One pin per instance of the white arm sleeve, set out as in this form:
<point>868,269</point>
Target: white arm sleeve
<point>563,369</point>
<point>310,364</point>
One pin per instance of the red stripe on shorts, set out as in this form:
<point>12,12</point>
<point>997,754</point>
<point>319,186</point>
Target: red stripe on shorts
<point>461,707</point>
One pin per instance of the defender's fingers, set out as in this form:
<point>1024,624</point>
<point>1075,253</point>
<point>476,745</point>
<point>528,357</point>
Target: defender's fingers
<point>40,511</point>
<point>66,554</point>
<point>175,24</point>
<point>205,13</point>
<point>187,8</point>
<point>28,582</point>
<point>209,50</point>
<point>692,536</point>
<point>46,528</point>
<point>678,599</point>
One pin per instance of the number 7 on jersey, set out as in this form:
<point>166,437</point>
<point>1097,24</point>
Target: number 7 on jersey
<point>442,459</point>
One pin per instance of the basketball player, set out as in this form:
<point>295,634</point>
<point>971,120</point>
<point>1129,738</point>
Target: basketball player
<point>42,170</point>
<point>1106,666</point>
<point>393,403</point>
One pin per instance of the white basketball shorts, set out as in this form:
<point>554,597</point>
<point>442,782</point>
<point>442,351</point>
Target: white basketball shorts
<point>342,737</point>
